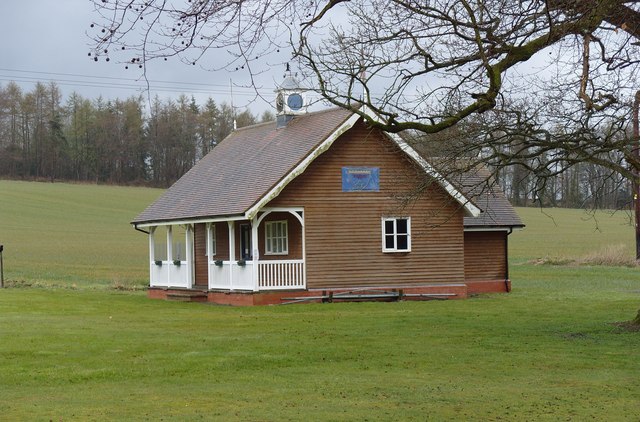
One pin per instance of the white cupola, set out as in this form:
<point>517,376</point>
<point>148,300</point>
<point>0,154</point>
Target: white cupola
<point>291,99</point>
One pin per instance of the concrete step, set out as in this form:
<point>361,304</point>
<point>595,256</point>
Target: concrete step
<point>187,296</point>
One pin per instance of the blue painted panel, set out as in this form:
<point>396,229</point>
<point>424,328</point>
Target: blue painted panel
<point>360,179</point>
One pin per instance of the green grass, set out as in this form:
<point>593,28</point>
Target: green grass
<point>559,233</point>
<point>59,234</point>
<point>547,351</point>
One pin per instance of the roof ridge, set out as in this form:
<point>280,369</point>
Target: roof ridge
<point>311,113</point>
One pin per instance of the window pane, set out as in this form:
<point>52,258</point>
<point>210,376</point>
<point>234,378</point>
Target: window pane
<point>401,225</point>
<point>276,237</point>
<point>179,243</point>
<point>388,227</point>
<point>213,239</point>
<point>389,242</point>
<point>403,242</point>
<point>160,243</point>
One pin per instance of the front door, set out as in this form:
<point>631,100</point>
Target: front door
<point>245,241</point>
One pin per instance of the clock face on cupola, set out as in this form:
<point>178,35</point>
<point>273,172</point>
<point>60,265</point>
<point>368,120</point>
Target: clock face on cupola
<point>291,97</point>
<point>294,101</point>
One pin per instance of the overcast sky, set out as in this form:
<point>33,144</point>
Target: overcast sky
<point>45,40</point>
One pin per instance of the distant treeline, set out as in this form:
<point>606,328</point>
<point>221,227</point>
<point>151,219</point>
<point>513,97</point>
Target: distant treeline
<point>121,142</point>
<point>114,141</point>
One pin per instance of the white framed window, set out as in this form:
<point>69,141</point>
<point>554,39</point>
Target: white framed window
<point>276,238</point>
<point>396,234</point>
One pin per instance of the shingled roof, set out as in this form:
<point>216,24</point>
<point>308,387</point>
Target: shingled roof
<point>243,168</point>
<point>486,194</point>
<point>250,163</point>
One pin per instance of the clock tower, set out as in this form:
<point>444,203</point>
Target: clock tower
<point>290,99</point>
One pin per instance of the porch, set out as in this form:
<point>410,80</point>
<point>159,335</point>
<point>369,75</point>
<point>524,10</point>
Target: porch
<point>233,254</point>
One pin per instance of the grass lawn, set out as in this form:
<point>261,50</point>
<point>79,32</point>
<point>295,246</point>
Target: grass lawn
<point>66,234</point>
<point>546,351</point>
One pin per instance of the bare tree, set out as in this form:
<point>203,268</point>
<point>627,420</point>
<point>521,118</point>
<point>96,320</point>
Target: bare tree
<point>539,86</point>
<point>418,65</point>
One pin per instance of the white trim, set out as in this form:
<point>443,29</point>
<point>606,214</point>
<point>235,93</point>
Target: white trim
<point>255,255</point>
<point>395,235</point>
<point>187,222</point>
<point>232,249</point>
<point>470,208</point>
<point>300,168</point>
<point>170,243</point>
<point>291,210</point>
<point>491,229</point>
<point>189,248</point>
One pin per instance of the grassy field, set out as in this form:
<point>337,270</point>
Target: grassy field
<point>567,233</point>
<point>64,234</point>
<point>73,348</point>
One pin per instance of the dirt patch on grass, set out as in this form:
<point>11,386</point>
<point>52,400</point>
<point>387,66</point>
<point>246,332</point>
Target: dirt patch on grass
<point>628,326</point>
<point>609,256</point>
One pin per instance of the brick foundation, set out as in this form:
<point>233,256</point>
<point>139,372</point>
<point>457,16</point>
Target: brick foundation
<point>488,286</point>
<point>247,298</point>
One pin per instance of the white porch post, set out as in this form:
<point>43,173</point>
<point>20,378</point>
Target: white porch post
<point>169,252</point>
<point>169,243</point>
<point>152,253</point>
<point>304,249</point>
<point>256,252</point>
<point>208,231</point>
<point>208,248</point>
<point>232,251</point>
<point>189,254</point>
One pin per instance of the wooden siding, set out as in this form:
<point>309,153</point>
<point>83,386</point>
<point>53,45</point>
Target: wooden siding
<point>485,256</point>
<point>344,229</point>
<point>200,252</point>
<point>222,241</point>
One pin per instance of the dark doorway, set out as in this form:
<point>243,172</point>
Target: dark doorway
<point>245,241</point>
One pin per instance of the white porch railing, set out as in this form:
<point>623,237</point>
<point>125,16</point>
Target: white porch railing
<point>168,274</point>
<point>274,275</point>
<point>231,276</point>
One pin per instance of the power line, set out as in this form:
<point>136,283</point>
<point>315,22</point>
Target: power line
<point>108,77</point>
<point>140,87</point>
<point>93,81</point>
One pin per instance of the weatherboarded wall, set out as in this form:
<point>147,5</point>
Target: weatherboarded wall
<point>200,252</point>
<point>484,256</point>
<point>200,249</point>
<point>344,229</point>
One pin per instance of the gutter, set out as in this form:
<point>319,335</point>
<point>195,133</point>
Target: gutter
<point>135,226</point>
<point>506,260</point>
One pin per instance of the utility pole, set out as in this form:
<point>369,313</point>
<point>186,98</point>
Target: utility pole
<point>636,171</point>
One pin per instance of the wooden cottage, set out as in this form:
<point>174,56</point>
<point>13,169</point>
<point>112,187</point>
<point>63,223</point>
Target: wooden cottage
<point>321,205</point>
